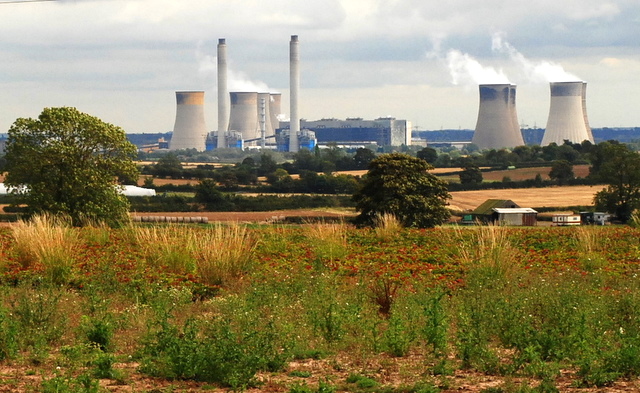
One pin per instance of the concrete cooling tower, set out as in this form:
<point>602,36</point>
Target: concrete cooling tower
<point>189,131</point>
<point>244,114</point>
<point>567,114</point>
<point>497,125</point>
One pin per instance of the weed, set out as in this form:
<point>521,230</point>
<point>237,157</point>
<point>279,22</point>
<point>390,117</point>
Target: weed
<point>300,374</point>
<point>66,384</point>
<point>361,381</point>
<point>8,336</point>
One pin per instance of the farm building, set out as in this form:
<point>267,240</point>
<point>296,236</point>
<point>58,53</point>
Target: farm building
<point>519,216</point>
<point>483,214</point>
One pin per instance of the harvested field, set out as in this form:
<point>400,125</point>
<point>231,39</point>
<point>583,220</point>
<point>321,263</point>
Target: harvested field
<point>256,216</point>
<point>527,197</point>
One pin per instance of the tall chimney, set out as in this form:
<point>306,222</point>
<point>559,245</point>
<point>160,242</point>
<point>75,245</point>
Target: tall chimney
<point>189,131</point>
<point>497,124</point>
<point>567,114</point>
<point>294,89</point>
<point>223,93</point>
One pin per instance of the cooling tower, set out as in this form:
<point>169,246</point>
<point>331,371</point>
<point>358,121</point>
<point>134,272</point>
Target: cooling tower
<point>223,93</point>
<point>275,110</point>
<point>567,114</point>
<point>244,114</point>
<point>294,89</point>
<point>497,125</point>
<point>189,131</point>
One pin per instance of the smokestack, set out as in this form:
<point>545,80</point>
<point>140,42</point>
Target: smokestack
<point>294,87</point>
<point>275,110</point>
<point>189,131</point>
<point>567,114</point>
<point>497,125</point>
<point>223,93</point>
<point>244,114</point>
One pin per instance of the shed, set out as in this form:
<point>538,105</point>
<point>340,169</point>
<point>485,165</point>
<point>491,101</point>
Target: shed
<point>519,216</point>
<point>484,213</point>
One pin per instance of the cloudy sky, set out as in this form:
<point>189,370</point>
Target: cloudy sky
<point>420,60</point>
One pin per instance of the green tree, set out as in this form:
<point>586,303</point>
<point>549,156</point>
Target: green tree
<point>168,165</point>
<point>207,193</point>
<point>429,154</point>
<point>470,174</point>
<point>68,162</point>
<point>401,185</point>
<point>620,170</point>
<point>363,157</point>
<point>561,171</point>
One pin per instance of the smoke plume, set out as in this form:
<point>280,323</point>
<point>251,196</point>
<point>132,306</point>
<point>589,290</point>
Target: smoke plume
<point>236,80</point>
<point>464,69</point>
<point>541,71</point>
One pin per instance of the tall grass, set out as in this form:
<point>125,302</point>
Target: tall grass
<point>48,242</point>
<point>590,245</point>
<point>487,250</point>
<point>168,247</point>
<point>329,240</point>
<point>387,226</point>
<point>223,253</point>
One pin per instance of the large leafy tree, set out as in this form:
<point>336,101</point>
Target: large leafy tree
<point>401,185</point>
<point>68,162</point>
<point>619,168</point>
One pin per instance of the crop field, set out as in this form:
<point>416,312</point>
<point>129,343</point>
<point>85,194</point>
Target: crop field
<point>318,308</point>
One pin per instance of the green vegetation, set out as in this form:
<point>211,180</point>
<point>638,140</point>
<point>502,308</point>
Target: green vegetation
<point>235,306</point>
<point>65,162</point>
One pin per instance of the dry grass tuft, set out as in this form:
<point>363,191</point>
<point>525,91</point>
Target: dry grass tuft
<point>387,226</point>
<point>48,241</point>
<point>329,240</point>
<point>224,253</point>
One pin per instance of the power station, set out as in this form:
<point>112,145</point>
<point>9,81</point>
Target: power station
<point>252,118</point>
<point>497,124</point>
<point>567,114</point>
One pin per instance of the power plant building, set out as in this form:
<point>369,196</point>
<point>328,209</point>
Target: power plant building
<point>189,130</point>
<point>497,124</point>
<point>384,131</point>
<point>567,114</point>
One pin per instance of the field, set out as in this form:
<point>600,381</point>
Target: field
<point>318,308</point>
<point>527,197</point>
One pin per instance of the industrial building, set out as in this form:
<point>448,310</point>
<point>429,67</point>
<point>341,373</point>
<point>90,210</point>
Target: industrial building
<point>567,114</point>
<point>383,131</point>
<point>497,124</point>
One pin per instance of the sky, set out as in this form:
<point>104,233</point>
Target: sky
<point>419,60</point>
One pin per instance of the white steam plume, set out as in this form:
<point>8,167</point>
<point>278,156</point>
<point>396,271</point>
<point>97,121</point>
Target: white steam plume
<point>464,69</point>
<point>541,71</point>
<point>236,80</point>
